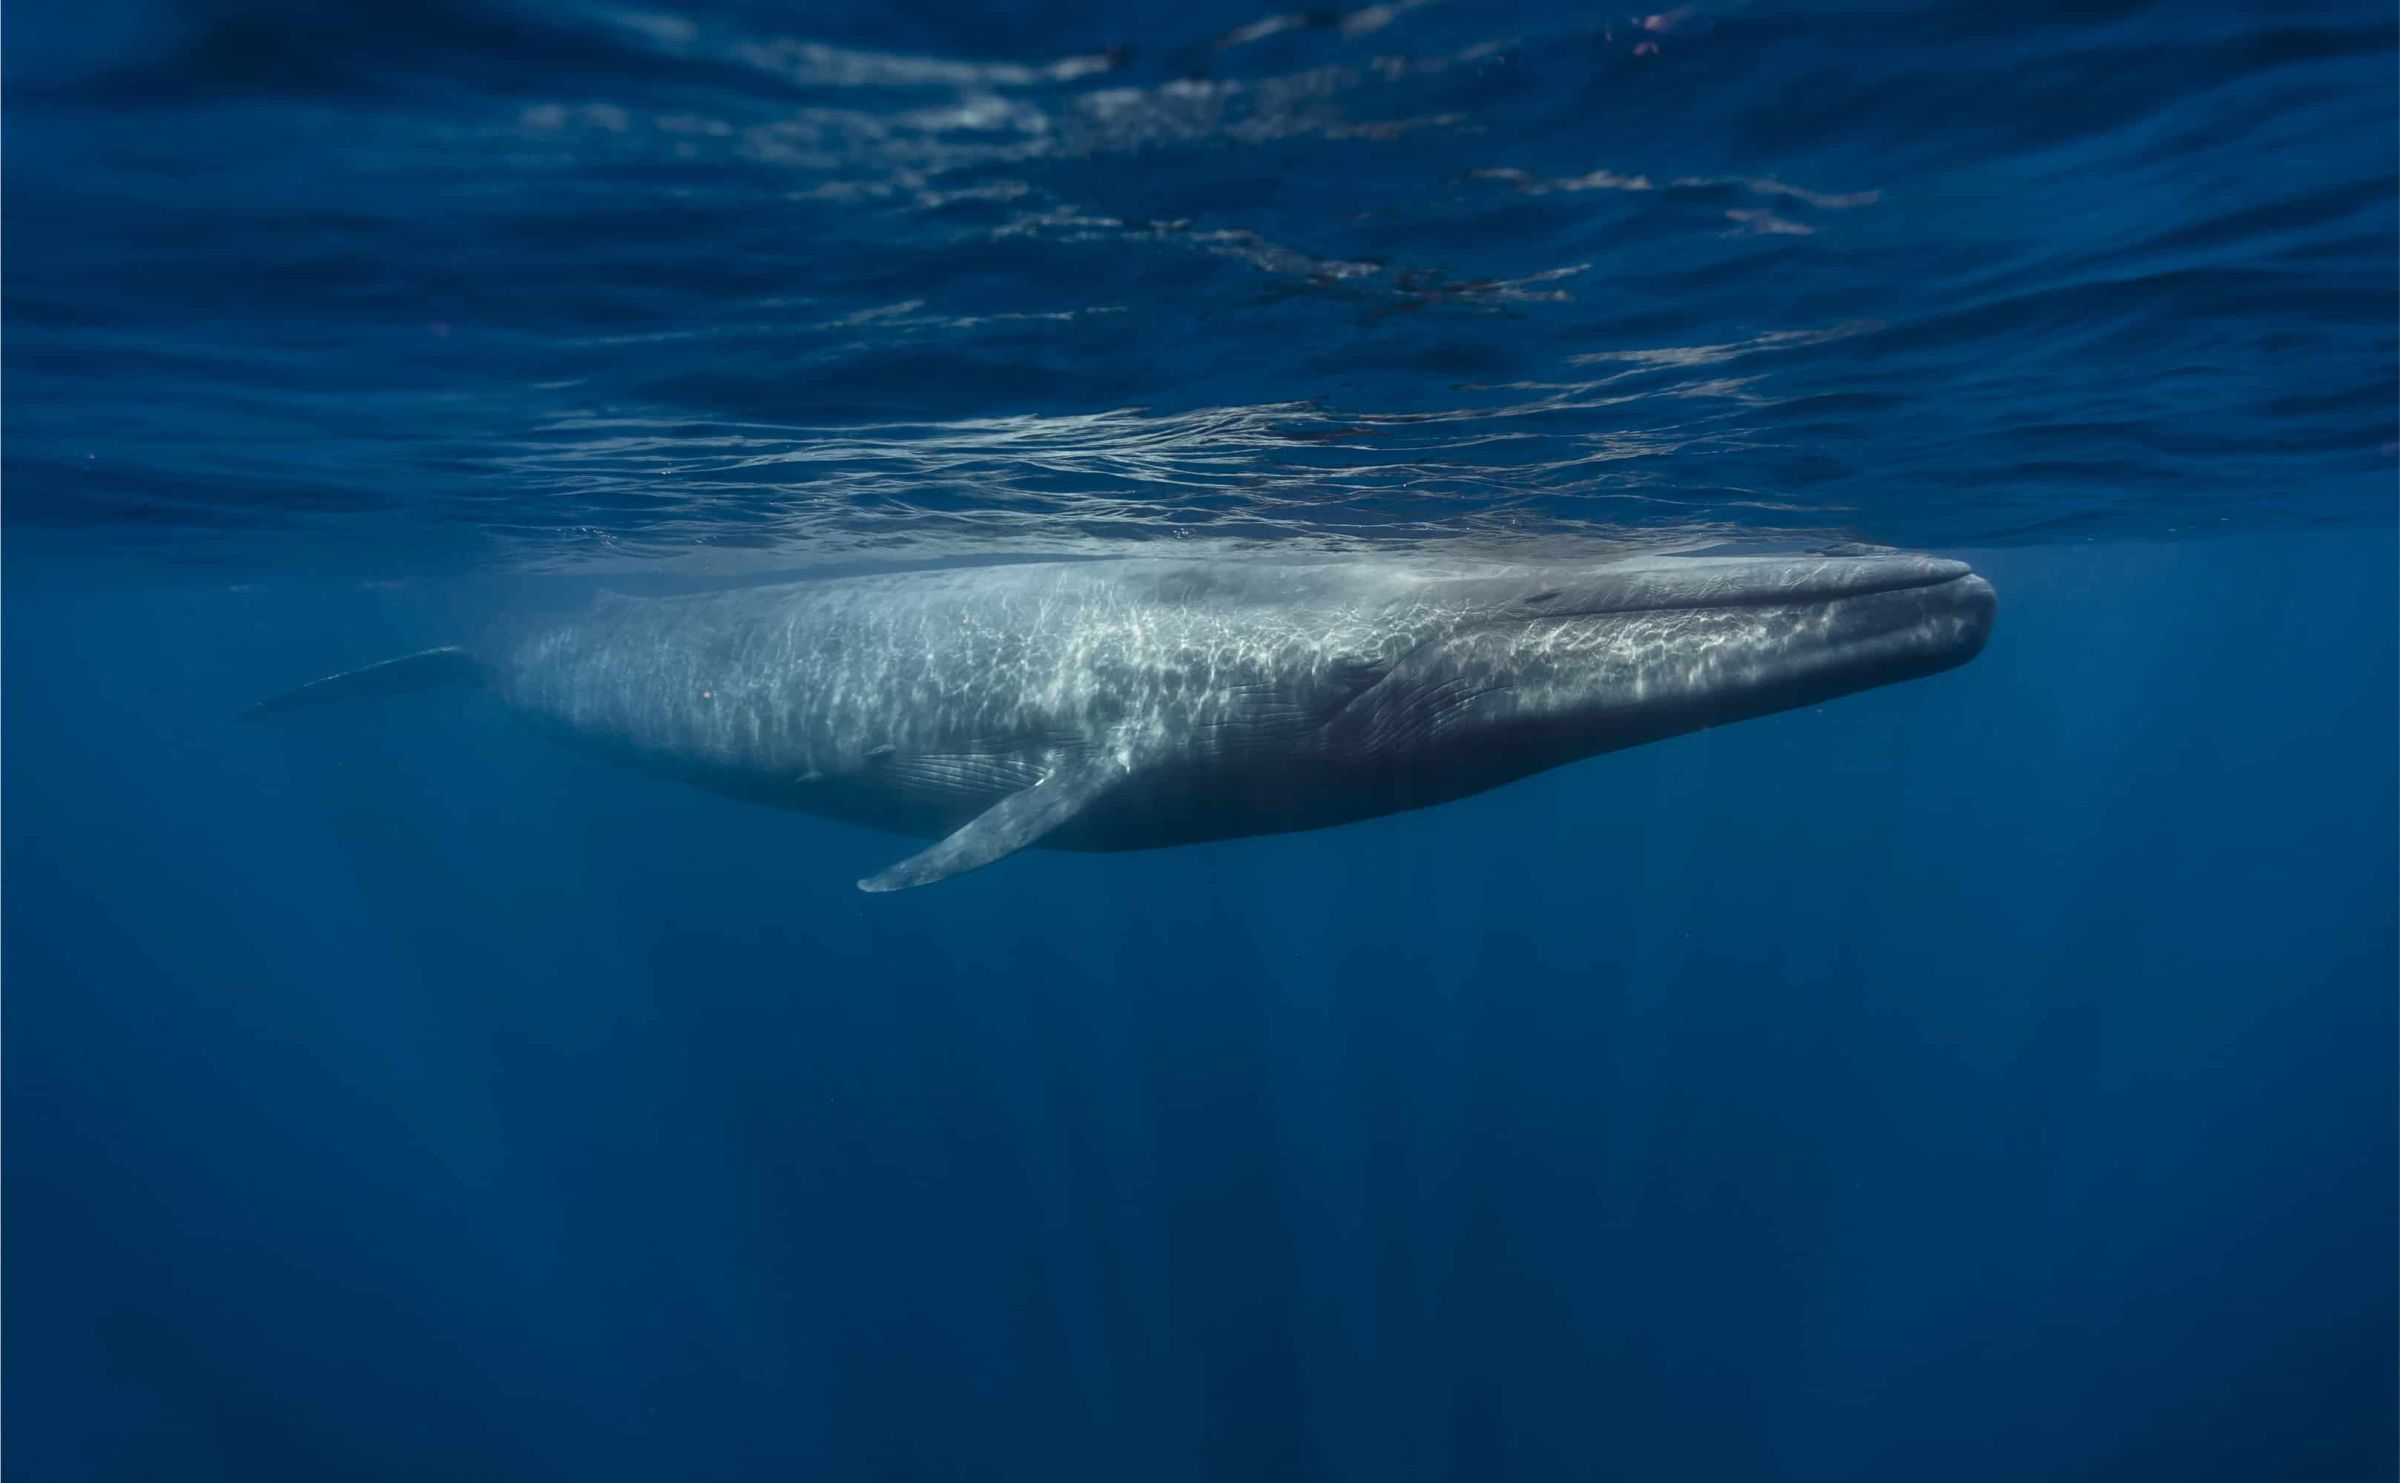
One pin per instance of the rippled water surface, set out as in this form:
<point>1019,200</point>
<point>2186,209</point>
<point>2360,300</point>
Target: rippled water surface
<point>549,284</point>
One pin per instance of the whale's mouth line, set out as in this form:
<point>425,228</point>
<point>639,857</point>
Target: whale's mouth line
<point>1965,580</point>
<point>1788,598</point>
<point>1949,574</point>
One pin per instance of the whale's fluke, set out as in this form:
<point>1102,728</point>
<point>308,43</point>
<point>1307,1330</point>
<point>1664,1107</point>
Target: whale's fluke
<point>433,669</point>
<point>1008,826</point>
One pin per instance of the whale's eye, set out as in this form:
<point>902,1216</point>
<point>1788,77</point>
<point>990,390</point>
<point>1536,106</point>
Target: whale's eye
<point>1545,595</point>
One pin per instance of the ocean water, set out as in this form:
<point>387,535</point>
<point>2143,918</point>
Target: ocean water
<point>1991,1076</point>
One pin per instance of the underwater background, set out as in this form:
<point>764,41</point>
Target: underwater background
<point>1991,1076</point>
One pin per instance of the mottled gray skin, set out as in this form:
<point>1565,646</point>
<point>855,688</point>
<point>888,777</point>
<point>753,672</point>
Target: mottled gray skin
<point>1175,701</point>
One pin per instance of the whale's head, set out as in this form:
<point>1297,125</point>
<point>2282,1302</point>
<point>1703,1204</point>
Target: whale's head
<point>1559,662</point>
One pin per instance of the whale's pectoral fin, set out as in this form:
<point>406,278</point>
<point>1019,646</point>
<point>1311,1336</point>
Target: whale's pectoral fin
<point>1008,826</point>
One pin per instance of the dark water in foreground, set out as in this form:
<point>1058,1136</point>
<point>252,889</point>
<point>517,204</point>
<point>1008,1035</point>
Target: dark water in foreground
<point>1990,1077</point>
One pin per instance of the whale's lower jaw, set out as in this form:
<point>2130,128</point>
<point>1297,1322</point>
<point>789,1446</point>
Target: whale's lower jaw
<point>1496,703</point>
<point>1744,662</point>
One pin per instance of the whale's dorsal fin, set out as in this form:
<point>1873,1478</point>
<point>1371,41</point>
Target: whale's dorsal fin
<point>429,669</point>
<point>1009,825</point>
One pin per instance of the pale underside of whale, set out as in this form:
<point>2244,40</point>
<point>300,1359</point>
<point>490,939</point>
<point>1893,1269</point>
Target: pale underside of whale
<point>1132,704</point>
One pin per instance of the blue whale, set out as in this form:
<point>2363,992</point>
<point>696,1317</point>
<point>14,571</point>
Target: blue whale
<point>1129,704</point>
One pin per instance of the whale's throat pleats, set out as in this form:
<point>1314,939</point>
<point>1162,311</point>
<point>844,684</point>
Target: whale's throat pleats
<point>984,776</point>
<point>1010,825</point>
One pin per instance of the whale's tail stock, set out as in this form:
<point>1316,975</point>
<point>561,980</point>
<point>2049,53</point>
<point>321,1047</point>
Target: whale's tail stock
<point>446,668</point>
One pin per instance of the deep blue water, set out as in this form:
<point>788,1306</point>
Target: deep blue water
<point>1991,1076</point>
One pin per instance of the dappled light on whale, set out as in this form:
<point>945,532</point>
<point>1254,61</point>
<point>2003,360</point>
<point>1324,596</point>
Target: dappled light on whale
<point>1114,705</point>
